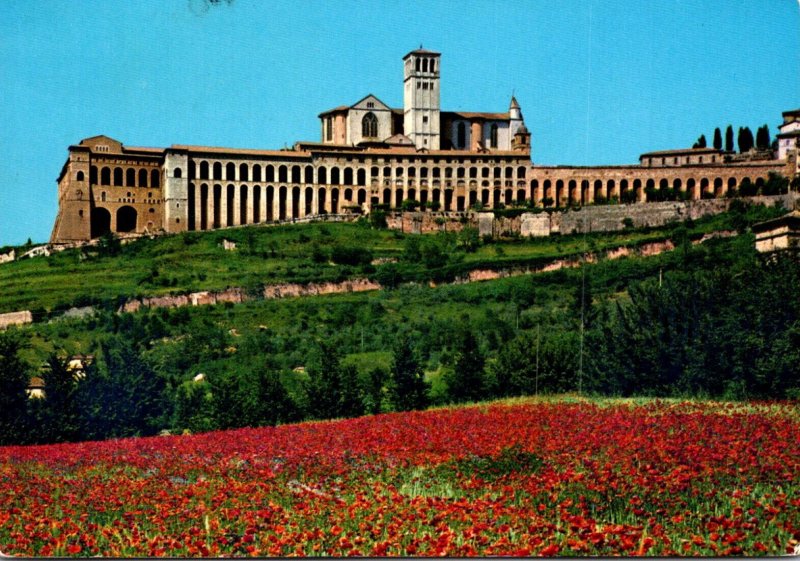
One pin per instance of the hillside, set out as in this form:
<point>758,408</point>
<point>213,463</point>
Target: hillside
<point>111,273</point>
<point>705,319</point>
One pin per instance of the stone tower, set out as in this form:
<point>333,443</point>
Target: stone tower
<point>421,119</point>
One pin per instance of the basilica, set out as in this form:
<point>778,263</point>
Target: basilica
<point>370,154</point>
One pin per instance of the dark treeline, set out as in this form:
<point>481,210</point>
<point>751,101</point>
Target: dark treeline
<point>715,320</point>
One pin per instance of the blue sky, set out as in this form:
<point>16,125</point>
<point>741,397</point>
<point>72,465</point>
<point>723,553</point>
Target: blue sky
<point>599,82</point>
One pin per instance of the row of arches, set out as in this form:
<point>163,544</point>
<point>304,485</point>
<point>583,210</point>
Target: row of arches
<point>334,175</point>
<point>568,192</point>
<point>101,224</point>
<point>119,177</point>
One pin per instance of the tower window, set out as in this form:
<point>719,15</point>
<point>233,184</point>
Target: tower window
<point>433,65</point>
<point>424,118</point>
<point>425,65</point>
<point>369,126</point>
<point>418,65</point>
<point>370,104</point>
<point>493,138</point>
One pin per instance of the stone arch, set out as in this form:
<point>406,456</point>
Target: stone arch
<point>142,178</point>
<point>295,174</point>
<point>154,178</point>
<point>321,200</point>
<point>509,197</point>
<point>192,169</point>
<point>126,219</point>
<point>93,175</point>
<point>637,190</point>
<point>269,173</point>
<point>361,178</point>
<point>559,192</point>
<point>717,186</point>
<point>130,177</point>
<point>191,208</point>
<point>677,184</point>
<point>691,188</point>
<point>270,196</point>
<point>448,199</point>
<point>534,194</point>
<point>308,175</point>
<point>623,188</point>
<point>282,174</point>
<point>335,176</point>
<point>282,203</point>
<point>203,207</point>
<point>230,198</point>
<point>100,222</point>
<point>309,208</point>
<point>217,197</point>
<point>485,197</point>
<point>731,184</point>
<point>230,171</point>
<point>117,177</point>
<point>177,173</point>
<point>547,192</point>
<point>572,188</point>
<point>244,172</point>
<point>217,170</point>
<point>649,188</point>
<point>296,200</point>
<point>105,176</point>
<point>335,200</point>
<point>362,196</point>
<point>257,218</point>
<point>243,204</point>
<point>256,172</point>
<point>520,196</point>
<point>703,187</point>
<point>436,197</point>
<point>348,176</point>
<point>79,176</point>
<point>204,170</point>
<point>348,195</point>
<point>387,197</point>
<point>322,175</point>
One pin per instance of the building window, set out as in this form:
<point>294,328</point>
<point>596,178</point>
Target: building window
<point>493,137</point>
<point>424,118</point>
<point>177,173</point>
<point>329,128</point>
<point>370,104</point>
<point>79,177</point>
<point>369,126</point>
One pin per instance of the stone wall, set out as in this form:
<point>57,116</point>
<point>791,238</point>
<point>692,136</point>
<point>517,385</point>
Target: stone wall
<point>15,318</point>
<point>593,218</point>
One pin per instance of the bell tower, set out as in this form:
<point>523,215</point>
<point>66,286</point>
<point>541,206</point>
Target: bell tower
<point>421,119</point>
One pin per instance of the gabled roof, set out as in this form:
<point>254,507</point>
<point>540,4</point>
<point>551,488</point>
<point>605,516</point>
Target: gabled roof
<point>421,51</point>
<point>343,108</point>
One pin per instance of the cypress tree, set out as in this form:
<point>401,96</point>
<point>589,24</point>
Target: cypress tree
<point>729,139</point>
<point>717,139</point>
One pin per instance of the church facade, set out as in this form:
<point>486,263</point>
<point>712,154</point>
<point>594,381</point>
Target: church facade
<point>369,154</point>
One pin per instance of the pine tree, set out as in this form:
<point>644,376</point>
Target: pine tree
<point>729,139</point>
<point>717,139</point>
<point>408,387</point>
<point>14,421</point>
<point>466,381</point>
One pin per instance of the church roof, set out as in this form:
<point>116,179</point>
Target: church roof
<point>334,110</point>
<point>478,115</point>
<point>421,51</point>
<point>514,104</point>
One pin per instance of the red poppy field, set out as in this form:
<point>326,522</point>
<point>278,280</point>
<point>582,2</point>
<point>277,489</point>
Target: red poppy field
<point>526,477</point>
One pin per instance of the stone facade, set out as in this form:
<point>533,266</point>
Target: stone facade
<point>456,161</point>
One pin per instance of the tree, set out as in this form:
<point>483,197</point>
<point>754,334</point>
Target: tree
<point>332,388</point>
<point>745,139</point>
<point>729,139</point>
<point>717,139</point>
<point>123,396</point>
<point>14,379</point>
<point>762,138</point>
<point>465,382</point>
<point>58,414</point>
<point>408,389</point>
<point>701,142</point>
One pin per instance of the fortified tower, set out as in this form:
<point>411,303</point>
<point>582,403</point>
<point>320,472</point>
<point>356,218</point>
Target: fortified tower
<point>421,117</point>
